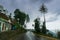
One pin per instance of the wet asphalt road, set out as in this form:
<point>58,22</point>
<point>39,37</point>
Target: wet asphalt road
<point>29,36</point>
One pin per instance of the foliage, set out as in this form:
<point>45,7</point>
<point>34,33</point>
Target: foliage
<point>37,25</point>
<point>43,9</point>
<point>17,25</point>
<point>44,28</point>
<point>58,34</point>
<point>21,17</point>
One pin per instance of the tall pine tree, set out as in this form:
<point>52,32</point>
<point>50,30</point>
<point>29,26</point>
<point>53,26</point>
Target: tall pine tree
<point>43,10</point>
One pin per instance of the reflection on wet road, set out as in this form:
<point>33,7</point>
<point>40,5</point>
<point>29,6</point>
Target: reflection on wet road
<point>29,36</point>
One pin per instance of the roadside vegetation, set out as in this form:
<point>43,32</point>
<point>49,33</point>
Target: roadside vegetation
<point>11,34</point>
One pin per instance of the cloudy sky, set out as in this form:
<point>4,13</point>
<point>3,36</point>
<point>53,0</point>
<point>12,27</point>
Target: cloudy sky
<point>31,7</point>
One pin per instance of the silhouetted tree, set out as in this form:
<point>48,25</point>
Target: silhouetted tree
<point>21,16</point>
<point>58,34</point>
<point>43,10</point>
<point>16,16</point>
<point>37,25</point>
<point>44,28</point>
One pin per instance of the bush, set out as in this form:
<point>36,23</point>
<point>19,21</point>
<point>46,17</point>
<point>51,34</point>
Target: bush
<point>58,33</point>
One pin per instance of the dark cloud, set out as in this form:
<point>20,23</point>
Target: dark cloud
<point>45,1</point>
<point>41,1</point>
<point>34,1</point>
